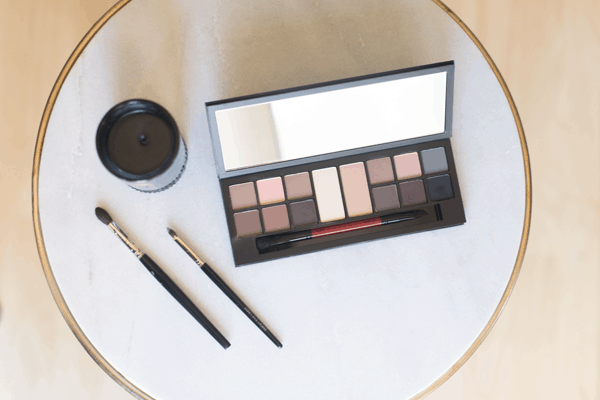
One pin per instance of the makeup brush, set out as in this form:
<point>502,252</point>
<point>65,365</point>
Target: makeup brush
<point>163,279</point>
<point>224,287</point>
<point>267,244</point>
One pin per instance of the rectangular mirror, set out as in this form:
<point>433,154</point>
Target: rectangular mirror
<point>332,121</point>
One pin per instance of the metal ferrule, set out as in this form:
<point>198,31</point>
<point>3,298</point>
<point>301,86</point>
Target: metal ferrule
<point>187,249</point>
<point>117,231</point>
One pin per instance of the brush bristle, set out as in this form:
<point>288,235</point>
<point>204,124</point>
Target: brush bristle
<point>171,232</point>
<point>103,216</point>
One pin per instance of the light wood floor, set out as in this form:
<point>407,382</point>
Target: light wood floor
<point>546,344</point>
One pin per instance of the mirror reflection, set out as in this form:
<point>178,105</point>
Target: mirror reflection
<point>332,121</point>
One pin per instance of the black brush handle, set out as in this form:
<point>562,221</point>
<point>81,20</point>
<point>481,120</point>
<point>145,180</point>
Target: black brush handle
<point>178,294</point>
<point>238,302</point>
<point>264,243</point>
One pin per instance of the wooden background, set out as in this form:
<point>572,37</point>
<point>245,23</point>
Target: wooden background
<point>546,344</point>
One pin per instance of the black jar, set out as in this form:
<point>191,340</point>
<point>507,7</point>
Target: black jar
<point>138,141</point>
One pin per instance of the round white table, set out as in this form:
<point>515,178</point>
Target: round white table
<point>387,319</point>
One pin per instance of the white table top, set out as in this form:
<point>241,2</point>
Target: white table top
<point>383,319</point>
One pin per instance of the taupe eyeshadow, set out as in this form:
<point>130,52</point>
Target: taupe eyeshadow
<point>303,213</point>
<point>275,218</point>
<point>247,223</point>
<point>380,170</point>
<point>242,195</point>
<point>412,192</point>
<point>385,198</point>
<point>298,186</point>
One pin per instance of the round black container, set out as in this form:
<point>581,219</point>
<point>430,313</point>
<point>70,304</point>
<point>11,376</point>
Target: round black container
<point>138,141</point>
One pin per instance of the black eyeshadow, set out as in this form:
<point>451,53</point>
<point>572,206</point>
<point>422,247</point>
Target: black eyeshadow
<point>440,188</point>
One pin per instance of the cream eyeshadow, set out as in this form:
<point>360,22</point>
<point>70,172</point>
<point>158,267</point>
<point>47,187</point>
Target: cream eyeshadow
<point>329,195</point>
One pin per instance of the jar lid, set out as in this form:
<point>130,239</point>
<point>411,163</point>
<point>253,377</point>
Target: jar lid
<point>137,140</point>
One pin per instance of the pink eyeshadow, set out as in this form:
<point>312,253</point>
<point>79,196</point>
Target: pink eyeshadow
<point>270,190</point>
<point>407,166</point>
<point>356,189</point>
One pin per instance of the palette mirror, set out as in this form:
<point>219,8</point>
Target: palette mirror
<point>332,121</point>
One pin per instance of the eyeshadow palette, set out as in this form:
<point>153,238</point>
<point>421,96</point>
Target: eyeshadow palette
<point>300,170</point>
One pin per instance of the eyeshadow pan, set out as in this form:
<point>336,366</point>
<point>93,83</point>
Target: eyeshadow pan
<point>270,191</point>
<point>380,170</point>
<point>328,193</point>
<point>407,166</point>
<point>297,186</point>
<point>242,195</point>
<point>434,160</point>
<point>356,189</point>
<point>247,223</point>
<point>275,218</point>
<point>303,213</point>
<point>440,187</point>
<point>412,192</point>
<point>385,198</point>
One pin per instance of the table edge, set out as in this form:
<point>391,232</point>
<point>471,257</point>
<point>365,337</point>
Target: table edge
<point>112,371</point>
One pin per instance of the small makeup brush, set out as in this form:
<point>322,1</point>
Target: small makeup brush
<point>163,279</point>
<point>267,244</point>
<point>224,287</point>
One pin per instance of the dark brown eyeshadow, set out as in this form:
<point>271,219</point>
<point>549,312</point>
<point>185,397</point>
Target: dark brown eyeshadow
<point>303,213</point>
<point>385,198</point>
<point>412,192</point>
